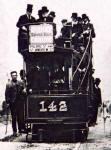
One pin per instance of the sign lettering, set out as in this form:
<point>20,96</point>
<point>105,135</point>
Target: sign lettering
<point>62,106</point>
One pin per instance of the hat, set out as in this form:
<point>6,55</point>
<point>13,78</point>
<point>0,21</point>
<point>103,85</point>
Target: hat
<point>74,15</point>
<point>13,72</point>
<point>39,12</point>
<point>97,80</point>
<point>52,13</point>
<point>44,9</point>
<point>22,71</point>
<point>29,7</point>
<point>79,19</point>
<point>84,16</point>
<point>64,20</point>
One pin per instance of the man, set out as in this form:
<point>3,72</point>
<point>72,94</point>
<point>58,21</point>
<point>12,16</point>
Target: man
<point>87,27</point>
<point>24,19</point>
<point>22,98</point>
<point>40,19</point>
<point>12,92</point>
<point>51,17</point>
<point>74,30</point>
<point>43,14</point>
<point>64,28</point>
<point>22,25</point>
<point>98,99</point>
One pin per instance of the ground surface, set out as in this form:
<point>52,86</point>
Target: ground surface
<point>98,139</point>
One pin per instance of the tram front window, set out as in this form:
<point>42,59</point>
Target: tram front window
<point>48,77</point>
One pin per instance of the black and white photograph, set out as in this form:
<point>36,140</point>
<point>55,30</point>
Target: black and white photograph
<point>55,82</point>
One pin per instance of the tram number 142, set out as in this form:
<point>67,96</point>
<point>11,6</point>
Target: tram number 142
<point>53,107</point>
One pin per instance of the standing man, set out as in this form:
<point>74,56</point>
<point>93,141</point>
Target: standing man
<point>98,99</point>
<point>43,14</point>
<point>24,19</point>
<point>23,28</point>
<point>13,89</point>
<point>21,102</point>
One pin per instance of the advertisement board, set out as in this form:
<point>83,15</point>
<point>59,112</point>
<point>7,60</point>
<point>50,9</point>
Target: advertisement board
<point>41,38</point>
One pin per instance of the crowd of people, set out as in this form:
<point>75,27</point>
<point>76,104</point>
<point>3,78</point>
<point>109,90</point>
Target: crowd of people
<point>43,16</point>
<point>76,32</point>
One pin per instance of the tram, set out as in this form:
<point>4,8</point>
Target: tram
<point>59,90</point>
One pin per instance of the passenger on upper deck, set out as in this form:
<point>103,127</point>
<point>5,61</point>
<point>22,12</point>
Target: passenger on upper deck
<point>40,16</point>
<point>24,19</point>
<point>64,29</point>
<point>43,14</point>
<point>51,17</point>
<point>74,30</point>
<point>87,27</point>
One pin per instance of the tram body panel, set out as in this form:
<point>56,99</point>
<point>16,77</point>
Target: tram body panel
<point>68,109</point>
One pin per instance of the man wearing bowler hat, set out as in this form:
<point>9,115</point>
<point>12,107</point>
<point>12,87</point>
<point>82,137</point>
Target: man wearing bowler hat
<point>44,13</point>
<point>51,16</point>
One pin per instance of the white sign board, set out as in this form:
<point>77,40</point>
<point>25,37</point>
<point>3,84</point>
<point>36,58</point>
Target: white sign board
<point>41,38</point>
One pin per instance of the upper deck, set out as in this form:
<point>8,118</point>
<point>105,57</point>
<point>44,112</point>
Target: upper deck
<point>40,38</point>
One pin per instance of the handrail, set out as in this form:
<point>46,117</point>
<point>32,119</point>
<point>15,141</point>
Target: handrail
<point>85,71</point>
<point>82,56</point>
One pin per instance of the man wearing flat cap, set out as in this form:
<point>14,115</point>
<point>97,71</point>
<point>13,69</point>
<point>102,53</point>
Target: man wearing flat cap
<point>14,88</point>
<point>64,30</point>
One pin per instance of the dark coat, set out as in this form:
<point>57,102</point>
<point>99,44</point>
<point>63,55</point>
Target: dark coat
<point>13,90</point>
<point>66,31</point>
<point>24,20</point>
<point>98,99</point>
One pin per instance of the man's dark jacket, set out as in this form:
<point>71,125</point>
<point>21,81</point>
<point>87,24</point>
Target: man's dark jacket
<point>24,20</point>
<point>13,90</point>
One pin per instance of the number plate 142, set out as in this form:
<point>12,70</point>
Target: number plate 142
<point>62,106</point>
